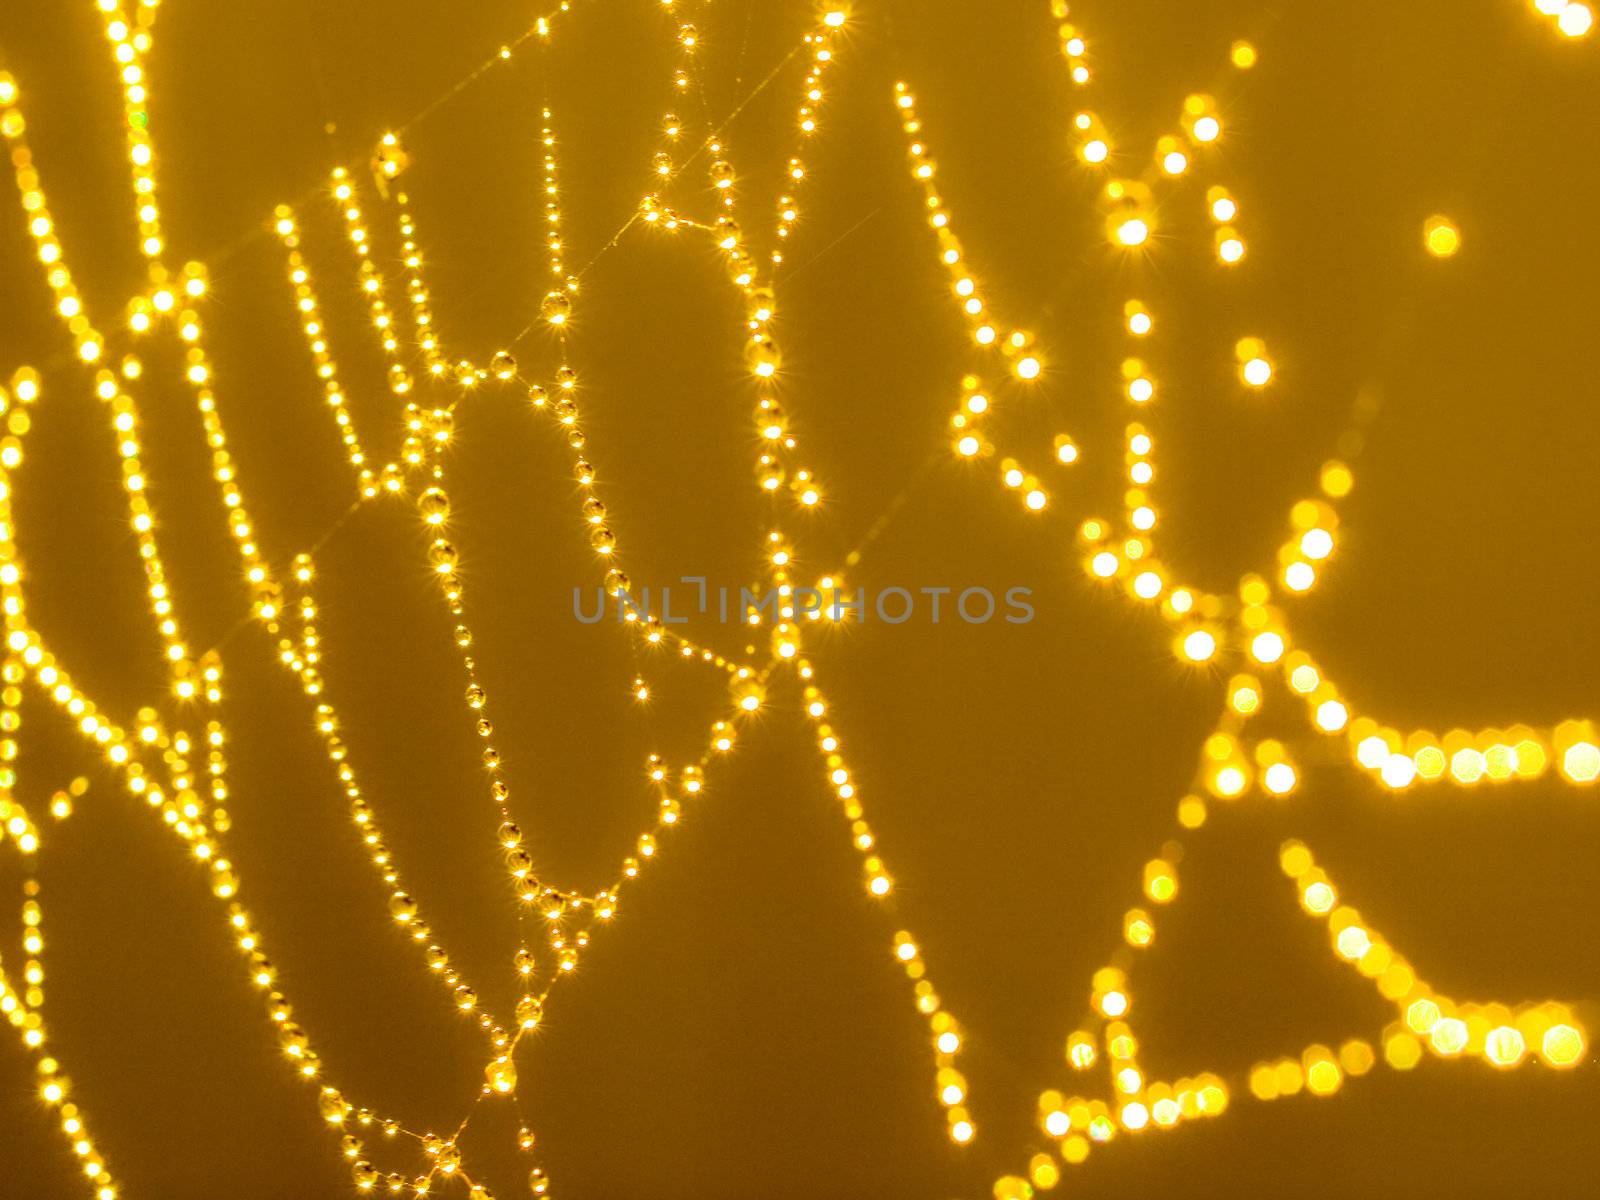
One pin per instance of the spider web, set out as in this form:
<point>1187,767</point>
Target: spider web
<point>181,771</point>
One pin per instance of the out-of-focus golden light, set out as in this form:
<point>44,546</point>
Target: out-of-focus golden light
<point>1441,237</point>
<point>1576,20</point>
